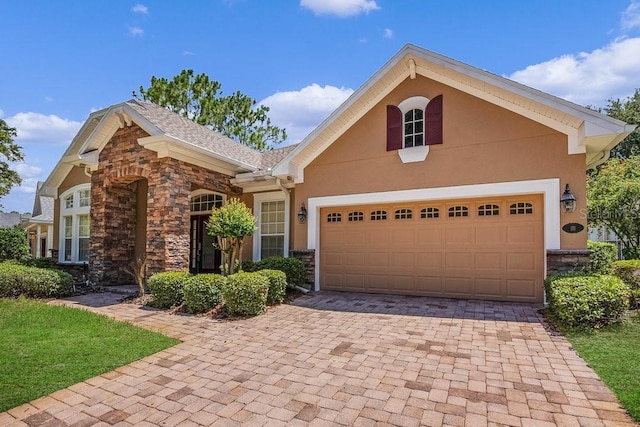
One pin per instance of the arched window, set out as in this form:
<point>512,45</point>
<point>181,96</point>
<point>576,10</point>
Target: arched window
<point>206,202</point>
<point>521,208</point>
<point>356,216</point>
<point>404,214</point>
<point>458,211</point>
<point>75,227</point>
<point>334,217</point>
<point>414,122</point>
<point>430,213</point>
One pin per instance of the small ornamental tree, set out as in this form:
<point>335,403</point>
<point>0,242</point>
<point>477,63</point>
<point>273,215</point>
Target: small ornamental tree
<point>230,224</point>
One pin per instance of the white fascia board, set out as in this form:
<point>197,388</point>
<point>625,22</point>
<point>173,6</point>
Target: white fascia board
<point>549,188</point>
<point>167,146</point>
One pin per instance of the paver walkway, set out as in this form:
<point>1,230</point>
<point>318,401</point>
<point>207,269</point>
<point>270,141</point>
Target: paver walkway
<point>340,359</point>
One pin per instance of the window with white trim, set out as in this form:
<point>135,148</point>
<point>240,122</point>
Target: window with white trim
<point>272,238</point>
<point>75,205</point>
<point>413,121</point>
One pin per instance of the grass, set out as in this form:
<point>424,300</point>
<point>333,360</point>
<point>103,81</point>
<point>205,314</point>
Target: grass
<point>614,353</point>
<point>45,348</point>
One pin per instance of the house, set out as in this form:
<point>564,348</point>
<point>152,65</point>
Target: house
<point>39,226</point>
<point>433,178</point>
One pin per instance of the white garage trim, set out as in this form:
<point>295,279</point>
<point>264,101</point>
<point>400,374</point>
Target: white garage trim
<point>549,188</point>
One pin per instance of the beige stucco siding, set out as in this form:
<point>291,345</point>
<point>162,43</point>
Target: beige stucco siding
<point>76,176</point>
<point>483,143</point>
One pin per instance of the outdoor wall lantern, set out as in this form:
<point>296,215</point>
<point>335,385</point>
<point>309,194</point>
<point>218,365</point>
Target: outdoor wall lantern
<point>302,214</point>
<point>568,200</point>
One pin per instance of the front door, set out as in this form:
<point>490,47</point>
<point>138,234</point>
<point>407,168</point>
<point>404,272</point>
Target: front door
<point>205,257</point>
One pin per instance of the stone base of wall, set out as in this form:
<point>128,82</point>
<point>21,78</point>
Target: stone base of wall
<point>567,260</point>
<point>79,272</point>
<point>308,258</point>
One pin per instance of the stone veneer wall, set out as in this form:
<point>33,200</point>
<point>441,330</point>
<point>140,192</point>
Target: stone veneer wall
<point>567,260</point>
<point>122,162</point>
<point>308,258</point>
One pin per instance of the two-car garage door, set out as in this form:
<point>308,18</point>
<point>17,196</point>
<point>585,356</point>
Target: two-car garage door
<point>471,248</point>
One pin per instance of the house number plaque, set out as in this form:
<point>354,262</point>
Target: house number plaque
<point>572,227</point>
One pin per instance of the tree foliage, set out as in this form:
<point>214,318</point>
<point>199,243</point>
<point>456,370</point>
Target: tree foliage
<point>14,244</point>
<point>230,224</point>
<point>613,200</point>
<point>200,99</point>
<point>10,152</point>
<point>627,110</point>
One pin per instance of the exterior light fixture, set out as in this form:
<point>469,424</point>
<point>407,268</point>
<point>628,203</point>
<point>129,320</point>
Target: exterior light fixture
<point>302,214</point>
<point>568,200</point>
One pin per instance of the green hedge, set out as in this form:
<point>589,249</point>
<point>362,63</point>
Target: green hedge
<point>245,293</point>
<point>586,300</point>
<point>294,269</point>
<point>167,288</point>
<point>277,285</point>
<point>603,255</point>
<point>14,244</point>
<point>202,292</point>
<point>629,272</point>
<point>33,282</point>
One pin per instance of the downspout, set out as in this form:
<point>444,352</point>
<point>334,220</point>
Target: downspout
<point>287,194</point>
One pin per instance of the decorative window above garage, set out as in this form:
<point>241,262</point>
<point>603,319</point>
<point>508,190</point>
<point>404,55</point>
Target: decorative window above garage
<point>378,215</point>
<point>430,213</point>
<point>415,122</point>
<point>458,211</point>
<point>334,217</point>
<point>488,210</point>
<point>356,216</point>
<point>521,208</point>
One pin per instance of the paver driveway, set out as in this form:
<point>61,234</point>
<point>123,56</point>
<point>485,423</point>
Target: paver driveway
<point>338,358</point>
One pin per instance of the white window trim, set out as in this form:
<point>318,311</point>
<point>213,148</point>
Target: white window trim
<point>418,153</point>
<point>202,192</point>
<point>549,188</point>
<point>74,213</point>
<point>257,212</point>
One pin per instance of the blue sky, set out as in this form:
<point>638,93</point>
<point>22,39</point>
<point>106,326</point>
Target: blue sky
<point>62,60</point>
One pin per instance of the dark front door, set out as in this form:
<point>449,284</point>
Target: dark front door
<point>205,258</point>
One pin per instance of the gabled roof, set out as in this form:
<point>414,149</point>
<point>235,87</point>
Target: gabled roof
<point>170,135</point>
<point>587,131</point>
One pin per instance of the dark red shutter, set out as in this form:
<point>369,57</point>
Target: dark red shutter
<point>433,121</point>
<point>394,128</point>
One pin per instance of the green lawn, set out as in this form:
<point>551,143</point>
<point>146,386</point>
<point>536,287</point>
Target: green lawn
<point>45,348</point>
<point>614,353</point>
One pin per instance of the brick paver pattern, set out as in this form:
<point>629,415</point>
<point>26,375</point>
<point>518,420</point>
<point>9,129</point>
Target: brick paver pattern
<point>340,359</point>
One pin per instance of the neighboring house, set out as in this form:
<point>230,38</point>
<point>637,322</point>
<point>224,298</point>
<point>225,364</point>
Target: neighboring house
<point>39,226</point>
<point>433,178</point>
<point>13,219</point>
<point>603,234</point>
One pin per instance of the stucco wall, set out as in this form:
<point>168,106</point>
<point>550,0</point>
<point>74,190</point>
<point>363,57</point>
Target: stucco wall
<point>483,143</point>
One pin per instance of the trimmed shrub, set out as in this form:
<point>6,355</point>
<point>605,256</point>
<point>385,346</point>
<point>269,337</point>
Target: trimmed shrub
<point>277,285</point>
<point>294,268</point>
<point>245,293</point>
<point>167,288</point>
<point>603,255</point>
<point>14,244</point>
<point>629,272</point>
<point>588,300</point>
<point>202,292</point>
<point>33,282</point>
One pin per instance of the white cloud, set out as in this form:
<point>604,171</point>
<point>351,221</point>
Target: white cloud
<point>631,16</point>
<point>187,53</point>
<point>387,33</point>
<point>27,171</point>
<point>28,185</point>
<point>48,99</point>
<point>30,176</point>
<point>588,78</point>
<point>299,112</point>
<point>341,8</point>
<point>40,128</point>
<point>140,8</point>
<point>136,32</point>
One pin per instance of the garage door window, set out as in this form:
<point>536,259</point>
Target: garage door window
<point>378,215</point>
<point>521,208</point>
<point>404,214</point>
<point>458,211</point>
<point>356,216</point>
<point>430,213</point>
<point>488,210</point>
<point>334,217</point>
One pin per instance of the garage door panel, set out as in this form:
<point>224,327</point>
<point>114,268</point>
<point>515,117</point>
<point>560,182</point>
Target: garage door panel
<point>521,289</point>
<point>489,287</point>
<point>499,257</point>
<point>459,286</point>
<point>429,237</point>
<point>459,236</point>
<point>489,261</point>
<point>403,260</point>
<point>430,261</point>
